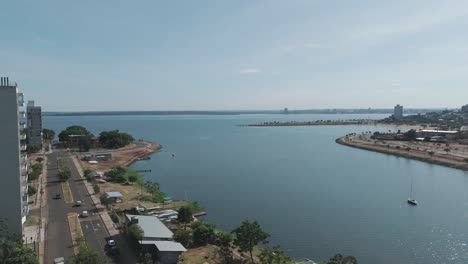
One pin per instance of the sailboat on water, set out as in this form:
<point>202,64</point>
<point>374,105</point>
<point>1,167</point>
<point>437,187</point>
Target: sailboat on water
<point>410,199</point>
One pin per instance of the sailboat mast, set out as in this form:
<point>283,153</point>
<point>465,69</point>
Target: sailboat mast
<point>411,189</point>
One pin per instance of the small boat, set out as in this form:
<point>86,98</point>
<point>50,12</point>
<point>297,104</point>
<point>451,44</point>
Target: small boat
<point>173,155</point>
<point>412,201</point>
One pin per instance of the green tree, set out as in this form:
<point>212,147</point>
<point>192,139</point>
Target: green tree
<point>185,215</point>
<point>132,178</point>
<point>23,255</point>
<point>116,172</point>
<point>447,150</point>
<point>273,256</point>
<point>12,249</point>
<point>202,232</point>
<point>87,174</point>
<point>105,200</point>
<point>114,139</point>
<point>96,188</point>
<point>39,159</point>
<point>340,259</point>
<point>184,237</point>
<point>248,235</point>
<point>31,190</point>
<point>64,174</point>
<point>466,160</point>
<point>64,135</point>
<point>410,134</point>
<point>48,134</point>
<point>136,232</point>
<point>31,148</point>
<point>224,243</point>
<point>86,255</point>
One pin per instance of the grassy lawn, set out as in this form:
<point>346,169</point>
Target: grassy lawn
<point>31,220</point>
<point>200,255</point>
<point>67,193</point>
<point>75,231</point>
<point>133,194</point>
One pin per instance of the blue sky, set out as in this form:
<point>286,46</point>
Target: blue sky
<point>216,55</point>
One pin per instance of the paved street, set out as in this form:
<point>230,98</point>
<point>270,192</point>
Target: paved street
<point>58,238</point>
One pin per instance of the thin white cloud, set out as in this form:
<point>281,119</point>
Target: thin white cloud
<point>249,71</point>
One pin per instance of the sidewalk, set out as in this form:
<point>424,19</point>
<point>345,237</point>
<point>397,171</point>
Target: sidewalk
<point>37,233</point>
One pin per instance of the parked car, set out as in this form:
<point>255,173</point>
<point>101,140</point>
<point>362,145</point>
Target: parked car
<point>77,203</point>
<point>84,214</point>
<point>60,260</point>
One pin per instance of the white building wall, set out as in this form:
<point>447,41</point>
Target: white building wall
<point>11,204</point>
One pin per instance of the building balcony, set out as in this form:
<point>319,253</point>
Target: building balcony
<point>20,97</point>
<point>23,147</point>
<point>22,114</point>
<point>24,158</point>
<point>24,211</point>
<point>24,180</point>
<point>24,170</point>
<point>22,137</point>
<point>24,191</point>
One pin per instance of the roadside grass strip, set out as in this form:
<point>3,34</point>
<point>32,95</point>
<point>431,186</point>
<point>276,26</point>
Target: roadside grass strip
<point>67,193</point>
<point>75,231</point>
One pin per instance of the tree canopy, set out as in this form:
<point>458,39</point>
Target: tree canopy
<point>340,259</point>
<point>48,134</point>
<point>12,249</point>
<point>202,232</point>
<point>248,235</point>
<point>273,255</point>
<point>136,232</point>
<point>86,255</point>
<point>184,237</point>
<point>64,135</point>
<point>114,139</point>
<point>185,215</point>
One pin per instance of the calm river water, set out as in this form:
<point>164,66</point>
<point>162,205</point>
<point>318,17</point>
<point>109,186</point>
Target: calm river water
<point>314,197</point>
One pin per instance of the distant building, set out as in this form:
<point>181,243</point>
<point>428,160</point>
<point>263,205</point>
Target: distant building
<point>464,109</point>
<point>439,134</point>
<point>13,158</point>
<point>398,111</point>
<point>34,117</point>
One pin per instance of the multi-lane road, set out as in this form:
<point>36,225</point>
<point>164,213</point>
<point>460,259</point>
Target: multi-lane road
<point>58,241</point>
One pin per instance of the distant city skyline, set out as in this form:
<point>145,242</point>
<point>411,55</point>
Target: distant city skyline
<point>239,55</point>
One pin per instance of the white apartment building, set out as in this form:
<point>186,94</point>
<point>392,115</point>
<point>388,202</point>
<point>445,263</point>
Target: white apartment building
<point>14,163</point>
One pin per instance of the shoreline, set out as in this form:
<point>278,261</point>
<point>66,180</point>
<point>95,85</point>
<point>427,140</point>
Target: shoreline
<point>445,160</point>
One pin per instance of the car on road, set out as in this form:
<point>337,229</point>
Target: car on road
<point>60,260</point>
<point>84,214</point>
<point>77,204</point>
<point>111,243</point>
<point>58,196</point>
